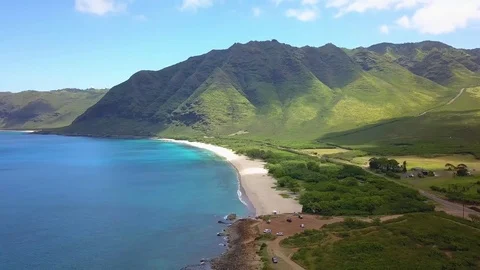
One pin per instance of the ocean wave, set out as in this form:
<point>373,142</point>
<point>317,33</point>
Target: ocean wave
<point>240,196</point>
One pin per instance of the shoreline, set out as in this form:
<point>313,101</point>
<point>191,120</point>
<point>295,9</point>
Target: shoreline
<point>254,181</point>
<point>18,130</point>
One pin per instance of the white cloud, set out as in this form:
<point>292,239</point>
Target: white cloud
<point>310,2</point>
<point>195,4</point>
<point>427,16</point>
<point>99,7</point>
<point>304,15</point>
<point>384,29</point>
<point>404,22</point>
<point>445,16</point>
<point>256,11</point>
<point>307,11</point>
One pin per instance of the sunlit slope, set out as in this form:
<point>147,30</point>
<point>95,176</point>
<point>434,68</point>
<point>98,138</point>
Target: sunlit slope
<point>270,90</point>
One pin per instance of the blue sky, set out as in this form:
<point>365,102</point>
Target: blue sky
<point>54,44</point>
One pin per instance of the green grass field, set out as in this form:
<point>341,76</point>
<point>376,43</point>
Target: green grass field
<point>463,189</point>
<point>433,163</point>
<point>324,151</point>
<point>415,241</point>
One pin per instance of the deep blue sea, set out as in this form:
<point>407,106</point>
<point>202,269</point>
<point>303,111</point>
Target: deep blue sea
<point>85,203</point>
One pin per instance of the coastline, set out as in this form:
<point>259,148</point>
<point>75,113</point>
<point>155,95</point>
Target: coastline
<point>18,130</point>
<point>254,180</point>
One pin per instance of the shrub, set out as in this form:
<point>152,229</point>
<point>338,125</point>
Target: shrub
<point>438,189</point>
<point>352,223</point>
<point>258,154</point>
<point>392,175</point>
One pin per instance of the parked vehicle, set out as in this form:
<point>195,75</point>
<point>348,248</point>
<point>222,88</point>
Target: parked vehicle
<point>275,260</point>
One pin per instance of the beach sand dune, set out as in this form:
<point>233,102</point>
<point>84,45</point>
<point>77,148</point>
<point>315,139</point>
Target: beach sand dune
<point>254,179</point>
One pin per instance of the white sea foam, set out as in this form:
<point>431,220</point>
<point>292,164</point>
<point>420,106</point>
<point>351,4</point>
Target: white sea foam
<point>240,196</point>
<point>254,181</point>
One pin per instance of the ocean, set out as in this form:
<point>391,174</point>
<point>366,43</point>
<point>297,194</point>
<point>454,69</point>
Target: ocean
<point>87,203</point>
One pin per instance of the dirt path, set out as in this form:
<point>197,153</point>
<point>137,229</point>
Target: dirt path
<point>280,224</point>
<point>455,98</point>
<point>283,255</point>
<point>448,103</point>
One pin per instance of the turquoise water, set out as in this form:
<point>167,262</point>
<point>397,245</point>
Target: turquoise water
<point>84,203</point>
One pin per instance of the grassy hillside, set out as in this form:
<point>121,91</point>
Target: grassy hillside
<point>48,109</point>
<point>452,128</point>
<point>270,90</point>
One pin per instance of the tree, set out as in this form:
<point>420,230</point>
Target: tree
<point>392,165</point>
<point>405,166</point>
<point>461,171</point>
<point>384,164</point>
<point>461,165</point>
<point>450,167</point>
<point>373,163</point>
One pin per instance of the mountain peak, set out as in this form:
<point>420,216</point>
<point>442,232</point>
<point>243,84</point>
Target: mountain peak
<point>408,47</point>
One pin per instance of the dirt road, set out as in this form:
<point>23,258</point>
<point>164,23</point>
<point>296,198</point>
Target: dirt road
<point>455,98</point>
<point>280,224</point>
<point>448,103</point>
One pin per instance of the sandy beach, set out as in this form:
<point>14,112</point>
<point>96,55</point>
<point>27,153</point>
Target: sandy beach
<point>254,179</point>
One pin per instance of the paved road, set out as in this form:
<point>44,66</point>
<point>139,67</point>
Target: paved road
<point>451,208</point>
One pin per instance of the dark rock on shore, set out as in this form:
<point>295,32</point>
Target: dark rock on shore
<point>232,217</point>
<point>205,266</point>
<point>241,254</point>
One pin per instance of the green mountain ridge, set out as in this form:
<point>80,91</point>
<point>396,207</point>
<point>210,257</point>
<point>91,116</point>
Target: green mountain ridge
<point>276,91</point>
<point>45,109</point>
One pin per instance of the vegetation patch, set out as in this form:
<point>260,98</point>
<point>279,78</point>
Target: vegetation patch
<point>415,241</point>
<point>325,151</point>
<point>464,191</point>
<point>330,189</point>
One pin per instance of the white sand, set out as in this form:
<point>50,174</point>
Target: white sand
<point>254,179</point>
